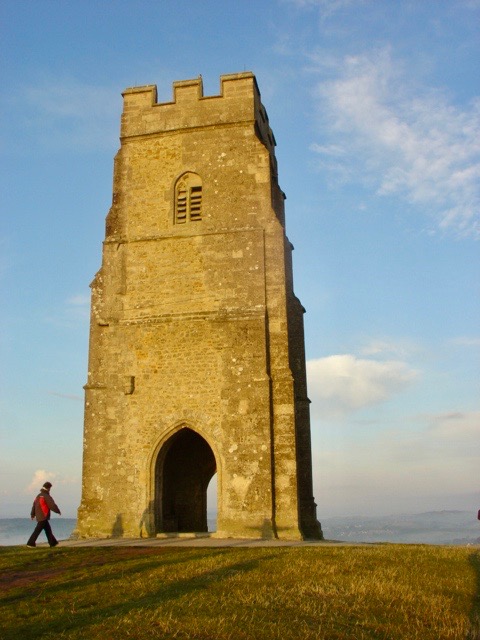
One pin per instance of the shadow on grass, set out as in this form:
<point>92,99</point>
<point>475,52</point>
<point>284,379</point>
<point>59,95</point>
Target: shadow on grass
<point>119,568</point>
<point>81,621</point>
<point>474,634</point>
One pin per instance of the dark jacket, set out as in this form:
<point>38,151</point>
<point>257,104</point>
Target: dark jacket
<point>42,505</point>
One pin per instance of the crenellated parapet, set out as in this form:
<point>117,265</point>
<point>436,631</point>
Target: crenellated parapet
<point>239,102</point>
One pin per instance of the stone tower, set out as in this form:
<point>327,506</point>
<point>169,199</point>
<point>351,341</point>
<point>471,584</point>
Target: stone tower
<point>196,361</point>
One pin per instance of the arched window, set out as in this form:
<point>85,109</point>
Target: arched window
<point>188,198</point>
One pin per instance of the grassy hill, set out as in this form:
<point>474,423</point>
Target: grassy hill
<point>381,592</point>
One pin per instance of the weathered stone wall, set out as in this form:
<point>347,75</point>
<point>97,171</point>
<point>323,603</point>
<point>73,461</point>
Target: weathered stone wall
<point>196,325</point>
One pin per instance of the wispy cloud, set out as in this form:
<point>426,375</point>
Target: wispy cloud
<point>466,341</point>
<point>65,113</point>
<point>341,384</point>
<point>400,139</point>
<point>78,307</point>
<point>65,396</point>
<point>456,427</point>
<point>79,300</point>
<point>327,7</point>
<point>75,311</point>
<point>433,458</point>
<point>389,347</point>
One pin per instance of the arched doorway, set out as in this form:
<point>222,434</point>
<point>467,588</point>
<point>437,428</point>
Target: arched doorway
<point>184,468</point>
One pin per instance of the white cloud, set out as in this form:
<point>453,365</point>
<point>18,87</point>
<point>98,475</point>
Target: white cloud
<point>340,384</point>
<point>39,477</point>
<point>401,140</point>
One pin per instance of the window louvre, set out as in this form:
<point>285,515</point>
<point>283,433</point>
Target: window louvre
<point>188,199</point>
<point>181,214</point>
<point>196,203</point>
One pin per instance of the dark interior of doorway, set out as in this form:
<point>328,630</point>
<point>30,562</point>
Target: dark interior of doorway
<point>185,466</point>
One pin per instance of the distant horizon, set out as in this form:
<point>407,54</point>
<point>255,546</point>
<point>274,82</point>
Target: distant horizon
<point>213,514</point>
<point>448,527</point>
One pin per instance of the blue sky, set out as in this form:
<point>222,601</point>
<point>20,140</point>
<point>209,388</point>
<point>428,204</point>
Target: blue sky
<point>375,109</point>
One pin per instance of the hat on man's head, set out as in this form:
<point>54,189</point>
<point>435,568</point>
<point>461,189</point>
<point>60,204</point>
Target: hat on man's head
<point>47,486</point>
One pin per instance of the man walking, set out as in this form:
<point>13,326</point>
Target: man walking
<point>42,505</point>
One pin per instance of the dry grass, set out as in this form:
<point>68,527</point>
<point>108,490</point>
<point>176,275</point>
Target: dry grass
<point>381,592</point>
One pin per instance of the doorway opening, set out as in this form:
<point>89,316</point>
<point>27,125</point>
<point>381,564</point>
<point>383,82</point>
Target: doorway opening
<point>212,503</point>
<point>185,465</point>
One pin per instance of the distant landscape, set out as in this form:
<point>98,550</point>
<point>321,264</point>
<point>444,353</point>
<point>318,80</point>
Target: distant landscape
<point>434,527</point>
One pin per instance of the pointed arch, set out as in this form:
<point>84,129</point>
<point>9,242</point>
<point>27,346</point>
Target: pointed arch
<point>182,466</point>
<point>188,193</point>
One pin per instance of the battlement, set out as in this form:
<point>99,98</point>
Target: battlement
<point>239,101</point>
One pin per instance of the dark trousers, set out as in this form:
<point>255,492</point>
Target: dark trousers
<point>43,525</point>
